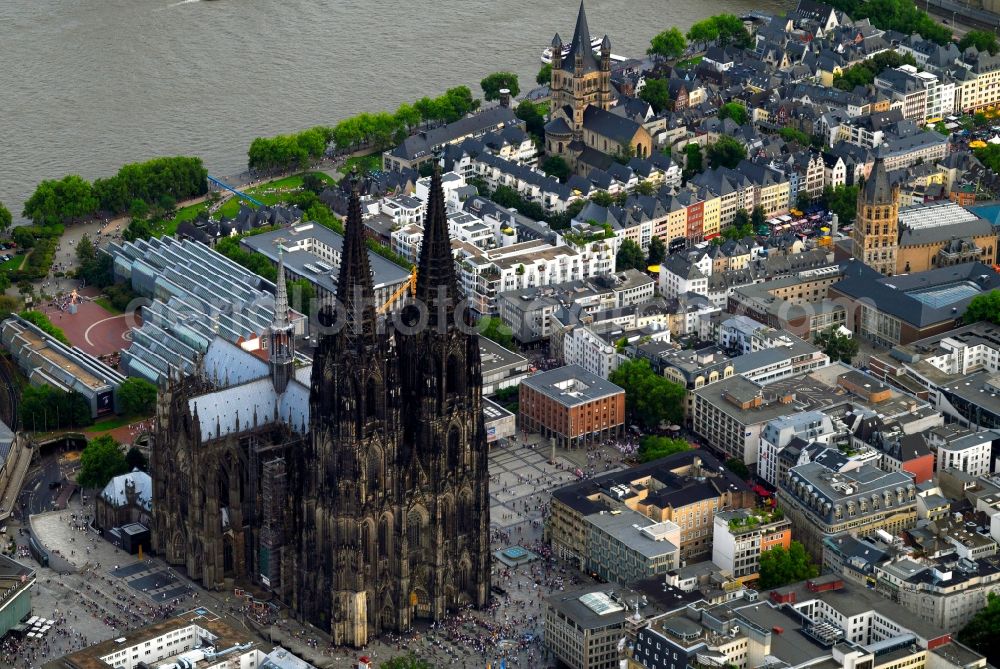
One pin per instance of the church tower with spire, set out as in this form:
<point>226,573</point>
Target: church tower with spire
<point>280,337</point>
<point>447,508</point>
<point>346,571</point>
<point>580,78</point>
<point>876,228</point>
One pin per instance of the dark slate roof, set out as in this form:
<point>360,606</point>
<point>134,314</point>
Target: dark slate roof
<point>877,189</point>
<point>895,295</point>
<point>612,126</point>
<point>581,46</point>
<point>423,143</point>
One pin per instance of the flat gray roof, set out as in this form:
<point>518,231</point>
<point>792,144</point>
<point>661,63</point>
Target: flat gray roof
<point>571,385</point>
<point>384,272</point>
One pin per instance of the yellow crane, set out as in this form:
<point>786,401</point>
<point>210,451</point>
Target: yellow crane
<point>409,285</point>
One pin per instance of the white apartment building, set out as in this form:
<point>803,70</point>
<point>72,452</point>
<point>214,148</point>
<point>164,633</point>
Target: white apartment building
<point>485,273</point>
<point>962,449</point>
<point>808,426</point>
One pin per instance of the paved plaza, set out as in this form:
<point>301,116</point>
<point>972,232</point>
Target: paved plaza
<point>108,591</point>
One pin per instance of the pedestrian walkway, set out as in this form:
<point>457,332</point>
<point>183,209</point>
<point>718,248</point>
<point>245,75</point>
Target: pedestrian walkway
<point>12,479</point>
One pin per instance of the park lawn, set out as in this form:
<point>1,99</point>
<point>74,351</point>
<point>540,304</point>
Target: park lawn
<point>105,303</point>
<point>370,163</point>
<point>283,186</point>
<point>689,62</point>
<point>106,424</point>
<point>12,264</point>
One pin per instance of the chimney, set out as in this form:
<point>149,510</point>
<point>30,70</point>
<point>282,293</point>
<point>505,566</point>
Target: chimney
<point>505,98</point>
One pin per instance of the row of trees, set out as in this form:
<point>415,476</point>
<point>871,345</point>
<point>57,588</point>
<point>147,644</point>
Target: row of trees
<point>382,129</point>
<point>721,29</point>
<point>650,399</point>
<point>901,15</point>
<point>42,322</point>
<point>653,447</point>
<point>73,198</point>
<point>864,73</point>
<point>283,152</point>
<point>45,408</point>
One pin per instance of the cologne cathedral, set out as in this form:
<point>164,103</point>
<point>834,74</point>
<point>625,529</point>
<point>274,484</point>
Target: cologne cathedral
<point>354,488</point>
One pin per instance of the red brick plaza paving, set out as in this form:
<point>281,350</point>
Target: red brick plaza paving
<point>93,328</point>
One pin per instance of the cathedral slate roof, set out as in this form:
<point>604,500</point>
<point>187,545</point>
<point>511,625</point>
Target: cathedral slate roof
<point>231,410</point>
<point>228,364</point>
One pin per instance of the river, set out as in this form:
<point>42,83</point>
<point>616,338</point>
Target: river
<point>86,86</point>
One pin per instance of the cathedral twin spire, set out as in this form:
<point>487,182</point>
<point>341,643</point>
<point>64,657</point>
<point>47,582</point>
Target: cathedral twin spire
<point>355,291</point>
<point>436,287</point>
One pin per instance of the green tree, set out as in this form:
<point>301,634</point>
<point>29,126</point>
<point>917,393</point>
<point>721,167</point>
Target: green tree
<point>657,93</point>
<point>654,447</point>
<point>407,116</point>
<point>135,459</point>
<point>657,251</point>
<point>102,460</point>
<point>989,156</point>
<point>726,152</point>
<point>138,396</point>
<point>779,567</point>
<point>693,161</point>
<point>532,116</point>
<point>313,183</point>
<point>138,209</point>
<point>8,305</point>
<point>757,218</point>
<point>741,226</point>
<point>494,83</point>
<point>556,166</point>
<point>843,201</point>
<point>980,633</point>
<point>5,218</point>
<point>735,111</point>
<point>703,31</point>
<point>790,134</point>
<point>408,661</point>
<point>984,307</point>
<point>802,201</point>
<point>983,40</point>
<point>59,201</point>
<point>736,466</point>
<point>22,237</point>
<point>44,408</point>
<point>731,30</point>
<point>837,346</point>
<point>544,76</point>
<point>649,397</point>
<point>667,44</point>
<point>496,330</point>
<point>630,256</point>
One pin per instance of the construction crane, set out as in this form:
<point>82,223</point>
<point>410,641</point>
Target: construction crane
<point>409,285</point>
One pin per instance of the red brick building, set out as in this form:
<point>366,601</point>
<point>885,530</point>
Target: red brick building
<point>572,405</point>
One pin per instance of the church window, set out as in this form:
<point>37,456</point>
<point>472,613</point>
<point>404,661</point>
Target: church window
<point>384,537</point>
<point>454,445</point>
<point>456,377</point>
<point>371,403</point>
